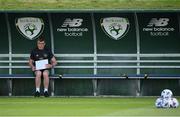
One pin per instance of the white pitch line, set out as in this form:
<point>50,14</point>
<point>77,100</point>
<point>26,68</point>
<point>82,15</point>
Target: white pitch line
<point>86,116</point>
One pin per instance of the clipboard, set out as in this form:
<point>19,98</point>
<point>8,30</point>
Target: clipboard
<point>41,64</point>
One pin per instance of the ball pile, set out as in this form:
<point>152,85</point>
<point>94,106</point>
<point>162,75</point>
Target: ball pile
<point>166,100</point>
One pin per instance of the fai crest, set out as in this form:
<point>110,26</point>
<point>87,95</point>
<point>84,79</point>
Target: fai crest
<point>115,27</point>
<point>30,27</point>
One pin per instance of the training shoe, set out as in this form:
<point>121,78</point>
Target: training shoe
<point>46,94</point>
<point>37,94</point>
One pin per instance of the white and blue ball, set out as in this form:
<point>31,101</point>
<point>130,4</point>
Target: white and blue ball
<point>158,102</point>
<point>166,93</point>
<point>174,103</point>
<point>166,102</point>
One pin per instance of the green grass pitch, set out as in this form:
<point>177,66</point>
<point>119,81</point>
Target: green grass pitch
<point>82,107</point>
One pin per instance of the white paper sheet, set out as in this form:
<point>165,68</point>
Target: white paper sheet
<point>41,64</point>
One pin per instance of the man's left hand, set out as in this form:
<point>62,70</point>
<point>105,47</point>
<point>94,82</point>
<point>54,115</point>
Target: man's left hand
<point>48,66</point>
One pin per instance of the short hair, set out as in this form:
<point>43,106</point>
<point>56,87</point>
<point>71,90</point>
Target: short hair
<point>41,38</point>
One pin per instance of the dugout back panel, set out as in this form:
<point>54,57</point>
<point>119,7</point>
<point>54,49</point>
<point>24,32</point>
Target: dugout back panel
<point>95,43</point>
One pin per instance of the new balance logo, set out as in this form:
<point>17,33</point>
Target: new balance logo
<point>158,22</point>
<point>72,23</point>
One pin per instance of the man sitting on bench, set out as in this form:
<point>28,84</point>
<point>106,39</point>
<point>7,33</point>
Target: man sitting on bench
<point>41,60</point>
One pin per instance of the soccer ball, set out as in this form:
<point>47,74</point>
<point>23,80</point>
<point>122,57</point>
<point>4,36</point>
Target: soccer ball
<point>174,103</point>
<point>158,102</point>
<point>166,102</point>
<point>166,93</point>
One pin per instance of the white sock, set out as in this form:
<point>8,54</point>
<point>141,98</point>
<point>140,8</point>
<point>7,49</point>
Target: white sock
<point>37,89</point>
<point>45,89</point>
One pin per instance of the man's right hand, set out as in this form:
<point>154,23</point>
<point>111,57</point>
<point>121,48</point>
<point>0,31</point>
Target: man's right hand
<point>33,68</point>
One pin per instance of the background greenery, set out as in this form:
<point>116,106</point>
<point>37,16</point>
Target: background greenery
<point>88,4</point>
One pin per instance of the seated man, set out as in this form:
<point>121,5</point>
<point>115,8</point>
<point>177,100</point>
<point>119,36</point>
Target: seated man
<point>41,52</point>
